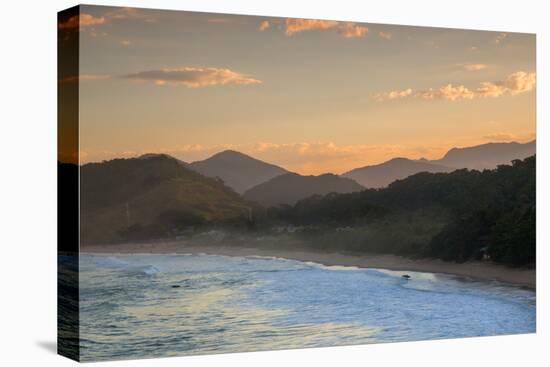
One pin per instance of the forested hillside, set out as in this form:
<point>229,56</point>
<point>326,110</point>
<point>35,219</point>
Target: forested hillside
<point>458,216</point>
<point>152,197</point>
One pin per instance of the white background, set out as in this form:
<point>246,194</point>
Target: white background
<point>28,181</point>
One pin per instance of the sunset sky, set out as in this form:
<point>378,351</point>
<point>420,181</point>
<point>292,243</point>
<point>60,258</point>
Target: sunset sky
<point>311,96</point>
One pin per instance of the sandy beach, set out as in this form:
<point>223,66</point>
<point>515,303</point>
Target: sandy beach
<point>473,270</point>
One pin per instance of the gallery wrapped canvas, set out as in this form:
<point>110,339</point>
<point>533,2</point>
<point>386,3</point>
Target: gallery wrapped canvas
<point>232,183</point>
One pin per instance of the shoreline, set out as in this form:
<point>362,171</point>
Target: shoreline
<point>473,270</point>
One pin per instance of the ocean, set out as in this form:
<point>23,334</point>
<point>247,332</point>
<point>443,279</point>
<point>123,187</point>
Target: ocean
<point>142,306</point>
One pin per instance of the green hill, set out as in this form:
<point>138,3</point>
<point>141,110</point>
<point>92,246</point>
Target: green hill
<point>140,198</point>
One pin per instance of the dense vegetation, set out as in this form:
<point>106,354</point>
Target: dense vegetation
<point>458,216</point>
<point>155,197</point>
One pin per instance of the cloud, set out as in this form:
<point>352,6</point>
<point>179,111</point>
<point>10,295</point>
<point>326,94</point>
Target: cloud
<point>448,92</point>
<point>500,137</point>
<point>345,29</point>
<point>516,83</point>
<point>520,136</point>
<point>194,77</point>
<point>264,25</point>
<point>296,25</point>
<point>395,94</point>
<point>474,67</point>
<point>520,82</point>
<point>385,35</point>
<point>125,43</point>
<point>84,20</point>
<point>501,38</point>
<point>352,30</point>
<point>89,20</point>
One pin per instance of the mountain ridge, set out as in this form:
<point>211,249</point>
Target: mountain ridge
<point>292,187</point>
<point>479,157</point>
<point>486,156</point>
<point>381,175</point>
<point>238,171</point>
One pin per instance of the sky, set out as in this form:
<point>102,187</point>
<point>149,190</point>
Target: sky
<point>312,96</point>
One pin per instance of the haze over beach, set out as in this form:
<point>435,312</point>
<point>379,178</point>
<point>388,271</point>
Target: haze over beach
<point>250,183</point>
<point>310,96</point>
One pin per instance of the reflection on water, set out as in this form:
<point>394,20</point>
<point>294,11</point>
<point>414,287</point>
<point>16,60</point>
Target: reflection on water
<point>136,306</point>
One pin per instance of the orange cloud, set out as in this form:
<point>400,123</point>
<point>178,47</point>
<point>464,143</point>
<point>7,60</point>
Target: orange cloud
<point>82,20</point>
<point>385,35</point>
<point>88,20</point>
<point>264,25</point>
<point>516,83</point>
<point>500,137</point>
<point>346,29</point>
<point>501,38</point>
<point>448,92</point>
<point>520,82</point>
<point>395,94</point>
<point>193,77</point>
<point>474,67</point>
<point>522,136</point>
<point>295,25</point>
<point>351,30</point>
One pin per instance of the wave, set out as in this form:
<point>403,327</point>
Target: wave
<point>332,267</point>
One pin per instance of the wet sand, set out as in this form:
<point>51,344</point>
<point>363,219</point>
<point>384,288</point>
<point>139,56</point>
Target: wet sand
<point>471,270</point>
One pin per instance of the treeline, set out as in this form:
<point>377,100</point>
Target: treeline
<point>457,216</point>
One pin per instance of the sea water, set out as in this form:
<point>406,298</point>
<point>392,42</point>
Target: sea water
<point>138,306</point>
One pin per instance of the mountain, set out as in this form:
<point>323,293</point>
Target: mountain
<point>381,175</point>
<point>487,156</point>
<point>157,155</point>
<point>137,198</point>
<point>291,187</point>
<point>238,171</point>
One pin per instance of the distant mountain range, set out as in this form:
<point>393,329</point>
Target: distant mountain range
<point>238,171</point>
<point>269,184</point>
<point>291,187</point>
<point>145,197</point>
<point>485,156</point>
<point>381,175</point>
